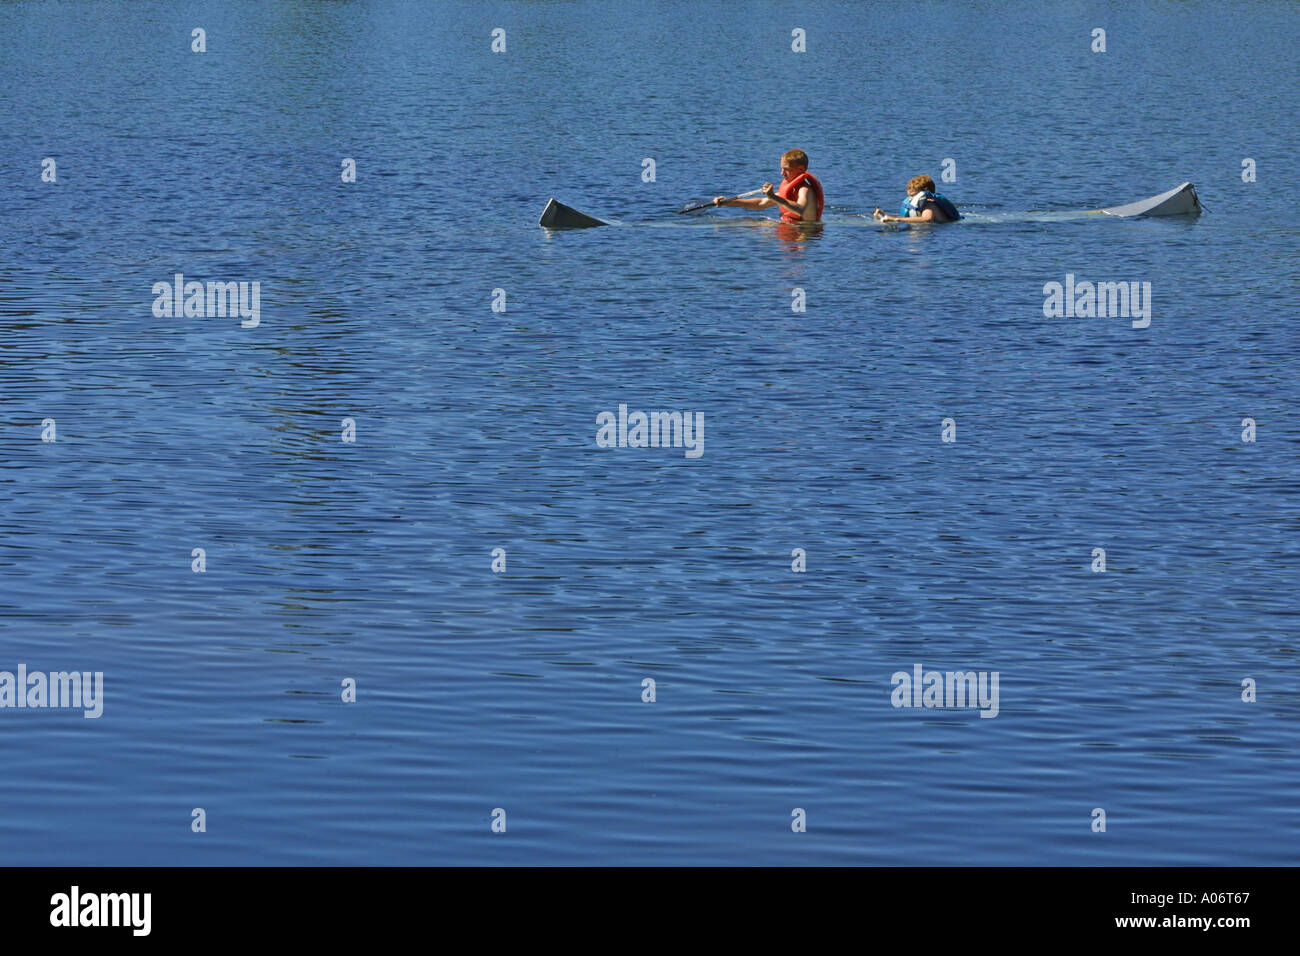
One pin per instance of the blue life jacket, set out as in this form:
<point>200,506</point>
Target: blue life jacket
<point>917,204</point>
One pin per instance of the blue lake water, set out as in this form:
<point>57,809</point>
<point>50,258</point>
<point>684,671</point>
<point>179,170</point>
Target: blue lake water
<point>476,430</point>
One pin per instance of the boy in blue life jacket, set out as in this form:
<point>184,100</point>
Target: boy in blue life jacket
<point>923,204</point>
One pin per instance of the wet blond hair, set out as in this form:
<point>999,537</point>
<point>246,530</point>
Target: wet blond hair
<point>795,157</point>
<point>917,183</point>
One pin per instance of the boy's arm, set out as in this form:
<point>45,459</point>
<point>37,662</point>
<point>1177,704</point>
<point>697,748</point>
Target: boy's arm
<point>805,198</point>
<point>926,216</point>
<point>761,202</point>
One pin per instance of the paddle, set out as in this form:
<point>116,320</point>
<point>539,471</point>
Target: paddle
<point>706,205</point>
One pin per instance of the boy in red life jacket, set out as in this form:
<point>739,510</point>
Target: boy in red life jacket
<point>799,195</point>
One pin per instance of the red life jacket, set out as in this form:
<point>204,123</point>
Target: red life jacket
<point>790,190</point>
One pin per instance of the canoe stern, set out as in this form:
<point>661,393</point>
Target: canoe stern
<point>1179,201</point>
<point>557,215</point>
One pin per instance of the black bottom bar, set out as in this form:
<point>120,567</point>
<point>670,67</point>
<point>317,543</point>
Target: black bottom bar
<point>333,906</point>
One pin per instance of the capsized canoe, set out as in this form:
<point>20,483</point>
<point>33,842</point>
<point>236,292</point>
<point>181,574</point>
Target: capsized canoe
<point>1180,201</point>
<point>557,215</point>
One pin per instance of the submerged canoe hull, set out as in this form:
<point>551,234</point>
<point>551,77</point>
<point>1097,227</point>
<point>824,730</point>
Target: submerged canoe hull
<point>1179,201</point>
<point>557,215</point>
